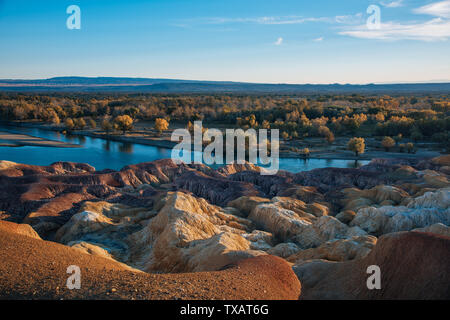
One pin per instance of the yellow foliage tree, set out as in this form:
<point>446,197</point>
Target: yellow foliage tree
<point>357,145</point>
<point>124,123</point>
<point>388,143</point>
<point>161,125</point>
<point>69,124</point>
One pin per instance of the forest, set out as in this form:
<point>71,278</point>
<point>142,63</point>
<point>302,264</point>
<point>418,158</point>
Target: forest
<point>408,118</point>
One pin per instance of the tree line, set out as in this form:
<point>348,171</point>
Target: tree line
<point>417,118</point>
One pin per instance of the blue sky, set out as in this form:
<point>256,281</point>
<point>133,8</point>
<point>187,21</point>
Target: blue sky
<point>283,41</point>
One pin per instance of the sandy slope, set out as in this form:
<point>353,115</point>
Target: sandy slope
<point>31,268</point>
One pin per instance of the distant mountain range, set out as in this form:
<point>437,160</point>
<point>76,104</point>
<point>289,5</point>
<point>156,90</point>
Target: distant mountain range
<point>152,85</point>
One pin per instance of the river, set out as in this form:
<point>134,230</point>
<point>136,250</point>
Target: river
<point>106,154</point>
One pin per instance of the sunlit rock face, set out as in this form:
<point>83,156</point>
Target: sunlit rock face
<point>21,229</point>
<point>162,217</point>
<point>356,199</point>
<point>186,234</point>
<point>189,234</point>
<point>425,210</point>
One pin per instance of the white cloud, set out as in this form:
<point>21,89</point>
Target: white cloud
<point>276,20</point>
<point>433,30</point>
<point>320,39</point>
<point>263,20</point>
<point>349,19</point>
<point>392,4</point>
<point>438,9</point>
<point>279,41</point>
<point>436,29</point>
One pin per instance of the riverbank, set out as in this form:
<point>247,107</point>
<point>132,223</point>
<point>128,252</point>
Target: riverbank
<point>8,139</point>
<point>318,148</point>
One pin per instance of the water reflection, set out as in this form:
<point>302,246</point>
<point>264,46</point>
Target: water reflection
<point>69,137</point>
<point>107,145</point>
<point>126,147</point>
<point>81,139</point>
<point>115,155</point>
<point>354,164</point>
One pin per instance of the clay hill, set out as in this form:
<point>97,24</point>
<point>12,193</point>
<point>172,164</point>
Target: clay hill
<point>162,230</point>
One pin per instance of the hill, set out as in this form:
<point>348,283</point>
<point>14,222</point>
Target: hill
<point>155,85</point>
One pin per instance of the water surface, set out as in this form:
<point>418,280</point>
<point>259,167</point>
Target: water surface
<point>106,154</point>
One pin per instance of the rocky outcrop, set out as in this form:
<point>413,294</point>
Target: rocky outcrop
<point>284,250</point>
<point>245,204</point>
<point>337,250</point>
<point>437,228</point>
<point>31,268</point>
<point>164,217</point>
<point>21,229</point>
<point>326,179</point>
<point>346,216</point>
<point>413,265</point>
<point>283,223</point>
<point>428,209</point>
<point>356,199</point>
<point>325,229</point>
<point>189,234</point>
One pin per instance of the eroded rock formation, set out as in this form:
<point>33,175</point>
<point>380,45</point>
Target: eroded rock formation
<point>161,217</point>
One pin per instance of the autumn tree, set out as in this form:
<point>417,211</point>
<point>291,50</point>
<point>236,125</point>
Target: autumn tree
<point>107,125</point>
<point>190,127</point>
<point>161,125</point>
<point>80,123</point>
<point>388,143</point>
<point>357,145</point>
<point>326,133</point>
<point>69,124</point>
<point>265,124</point>
<point>124,123</point>
<point>305,152</point>
<point>54,118</point>
<point>410,147</point>
<point>92,123</point>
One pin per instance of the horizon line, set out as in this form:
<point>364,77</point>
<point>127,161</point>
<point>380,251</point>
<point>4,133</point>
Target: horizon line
<point>234,81</point>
